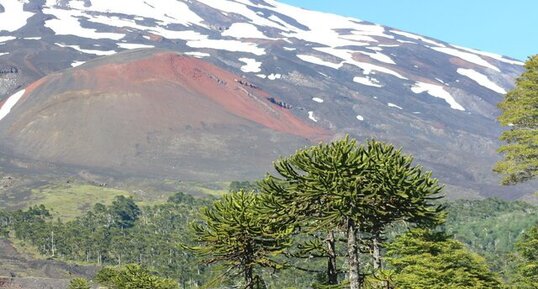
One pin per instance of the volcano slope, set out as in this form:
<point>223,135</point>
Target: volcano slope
<point>343,75</point>
<point>153,113</point>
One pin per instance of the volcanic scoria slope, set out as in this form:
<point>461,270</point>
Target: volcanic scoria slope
<point>272,78</point>
<point>153,113</point>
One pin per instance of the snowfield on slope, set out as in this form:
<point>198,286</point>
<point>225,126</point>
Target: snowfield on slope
<point>481,79</point>
<point>436,91</point>
<point>14,17</point>
<point>328,33</point>
<point>10,103</point>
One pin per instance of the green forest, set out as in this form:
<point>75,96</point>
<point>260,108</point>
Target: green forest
<point>493,237</point>
<point>343,214</point>
<point>291,230</point>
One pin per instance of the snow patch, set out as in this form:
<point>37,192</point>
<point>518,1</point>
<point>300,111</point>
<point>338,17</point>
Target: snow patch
<point>244,30</point>
<point>441,81</point>
<point>347,56</point>
<point>274,76</point>
<point>318,61</point>
<point>105,12</point>
<point>375,48</point>
<point>358,39</point>
<point>405,41</point>
<point>164,11</point>
<point>289,48</point>
<point>323,28</point>
<point>68,24</point>
<point>77,63</point>
<point>229,45</point>
<point>481,79</point>
<point>240,9</point>
<point>469,57</point>
<point>14,16</point>
<point>370,81</point>
<point>436,91</point>
<point>311,116</point>
<point>157,30</point>
<point>316,27</point>
<point>197,54</point>
<point>7,38</point>
<point>134,45</point>
<point>10,103</point>
<point>492,55</point>
<point>379,57</point>
<point>417,37</point>
<point>390,104</point>
<point>251,65</point>
<point>88,51</point>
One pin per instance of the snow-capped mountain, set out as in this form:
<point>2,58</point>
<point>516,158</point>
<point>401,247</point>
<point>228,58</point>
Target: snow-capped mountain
<point>332,74</point>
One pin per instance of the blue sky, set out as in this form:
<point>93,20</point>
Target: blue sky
<point>505,27</point>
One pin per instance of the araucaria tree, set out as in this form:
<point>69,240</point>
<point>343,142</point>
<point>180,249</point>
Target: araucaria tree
<point>234,234</point>
<point>357,189</point>
<point>133,276</point>
<point>520,112</point>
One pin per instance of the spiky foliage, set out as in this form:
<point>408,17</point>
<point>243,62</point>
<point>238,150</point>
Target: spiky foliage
<point>426,259</point>
<point>79,283</point>
<point>345,180</point>
<point>400,190</point>
<point>234,234</point>
<point>133,276</point>
<point>520,112</point>
<point>343,185</point>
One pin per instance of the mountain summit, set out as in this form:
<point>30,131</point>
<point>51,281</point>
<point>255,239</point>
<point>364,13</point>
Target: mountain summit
<point>217,88</point>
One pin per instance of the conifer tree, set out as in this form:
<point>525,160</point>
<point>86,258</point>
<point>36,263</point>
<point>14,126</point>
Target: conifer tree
<point>344,186</point>
<point>520,112</point>
<point>133,276</point>
<point>426,259</point>
<point>403,192</point>
<point>234,234</point>
<point>79,283</point>
<point>125,211</point>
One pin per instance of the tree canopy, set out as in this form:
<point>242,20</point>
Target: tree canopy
<point>233,234</point>
<point>79,283</point>
<point>133,276</point>
<point>520,112</point>
<point>357,189</point>
<point>527,248</point>
<point>426,259</point>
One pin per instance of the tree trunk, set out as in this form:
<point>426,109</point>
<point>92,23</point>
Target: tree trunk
<point>249,279</point>
<point>332,272</point>
<point>249,270</point>
<point>376,252</point>
<point>52,246</point>
<point>353,255</point>
<point>378,265</point>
